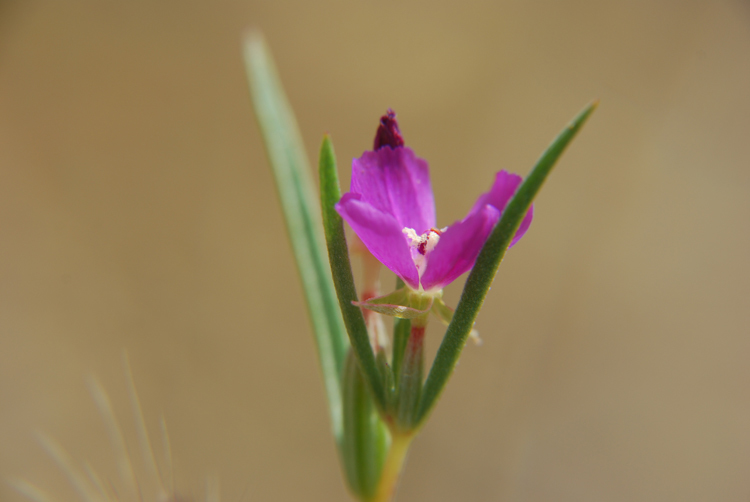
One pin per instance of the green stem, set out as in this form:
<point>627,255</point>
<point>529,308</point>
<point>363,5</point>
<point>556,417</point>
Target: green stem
<point>394,463</point>
<point>410,380</point>
<point>401,330</point>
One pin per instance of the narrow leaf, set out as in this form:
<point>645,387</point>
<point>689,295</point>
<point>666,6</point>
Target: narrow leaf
<point>481,277</point>
<point>338,255</point>
<point>296,191</point>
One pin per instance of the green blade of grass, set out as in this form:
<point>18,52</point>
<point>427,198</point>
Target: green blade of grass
<point>301,211</point>
<point>481,277</point>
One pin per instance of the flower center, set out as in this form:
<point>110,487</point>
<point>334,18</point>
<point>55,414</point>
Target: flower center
<point>422,245</point>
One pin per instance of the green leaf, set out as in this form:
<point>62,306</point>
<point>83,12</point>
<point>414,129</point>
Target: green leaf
<point>481,277</point>
<point>296,191</point>
<point>366,438</point>
<point>338,255</point>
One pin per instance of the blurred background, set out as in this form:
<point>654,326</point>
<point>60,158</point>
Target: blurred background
<point>138,212</point>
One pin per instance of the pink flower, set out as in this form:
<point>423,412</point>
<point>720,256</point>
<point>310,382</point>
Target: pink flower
<point>391,208</point>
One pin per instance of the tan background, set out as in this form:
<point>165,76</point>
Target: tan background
<point>137,211</point>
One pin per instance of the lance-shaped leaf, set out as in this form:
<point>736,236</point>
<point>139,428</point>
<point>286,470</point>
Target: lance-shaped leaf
<point>338,255</point>
<point>481,276</point>
<point>296,191</point>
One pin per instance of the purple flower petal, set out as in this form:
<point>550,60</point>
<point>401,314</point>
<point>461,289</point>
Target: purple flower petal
<point>395,181</point>
<point>459,247</point>
<point>523,227</point>
<point>502,191</point>
<point>381,234</point>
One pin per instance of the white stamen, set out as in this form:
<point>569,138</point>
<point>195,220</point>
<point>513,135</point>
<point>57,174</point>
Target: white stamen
<point>432,240</point>
<point>422,245</point>
<point>412,234</point>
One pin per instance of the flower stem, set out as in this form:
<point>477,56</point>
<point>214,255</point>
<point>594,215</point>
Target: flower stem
<point>394,462</point>
<point>410,379</point>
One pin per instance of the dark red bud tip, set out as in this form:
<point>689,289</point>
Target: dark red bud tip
<point>388,133</point>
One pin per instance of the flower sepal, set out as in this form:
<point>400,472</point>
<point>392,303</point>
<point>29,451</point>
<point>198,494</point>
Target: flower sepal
<point>404,303</point>
<point>445,314</point>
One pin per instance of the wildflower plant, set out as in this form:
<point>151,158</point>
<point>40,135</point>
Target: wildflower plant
<point>376,388</point>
